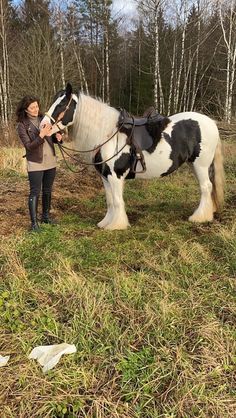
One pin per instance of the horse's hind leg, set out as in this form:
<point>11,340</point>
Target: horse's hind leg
<point>119,218</point>
<point>204,212</point>
<point>109,199</point>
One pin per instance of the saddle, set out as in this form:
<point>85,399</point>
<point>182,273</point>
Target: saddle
<point>143,133</point>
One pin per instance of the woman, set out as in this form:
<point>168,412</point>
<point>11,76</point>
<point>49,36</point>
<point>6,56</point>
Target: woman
<point>40,155</point>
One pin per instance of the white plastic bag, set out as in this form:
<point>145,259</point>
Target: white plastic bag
<point>3,360</point>
<point>49,355</point>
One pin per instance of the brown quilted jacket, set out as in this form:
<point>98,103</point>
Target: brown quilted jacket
<point>33,143</point>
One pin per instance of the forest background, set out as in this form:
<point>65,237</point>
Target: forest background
<point>177,56</point>
<point>151,310</point>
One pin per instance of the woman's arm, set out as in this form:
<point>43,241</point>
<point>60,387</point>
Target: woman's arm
<point>25,139</point>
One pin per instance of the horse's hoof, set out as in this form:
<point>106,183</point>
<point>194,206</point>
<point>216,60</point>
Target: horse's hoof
<point>117,226</point>
<point>200,218</point>
<point>101,224</point>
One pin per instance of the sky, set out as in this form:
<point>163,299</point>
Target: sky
<point>119,7</point>
<point>126,6</point>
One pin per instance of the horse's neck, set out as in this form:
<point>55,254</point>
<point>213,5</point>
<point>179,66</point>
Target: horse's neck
<point>94,122</point>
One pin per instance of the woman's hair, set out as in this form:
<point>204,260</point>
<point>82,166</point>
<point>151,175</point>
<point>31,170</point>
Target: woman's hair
<point>23,105</point>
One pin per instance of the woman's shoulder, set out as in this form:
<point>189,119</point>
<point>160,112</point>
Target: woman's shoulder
<point>24,122</point>
<point>22,126</point>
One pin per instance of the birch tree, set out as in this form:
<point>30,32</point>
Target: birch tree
<point>152,9</point>
<point>90,33</point>
<point>73,22</point>
<point>228,26</point>
<point>195,74</point>
<point>59,22</point>
<point>4,68</point>
<point>183,25</point>
<point>171,86</point>
<point>106,15</point>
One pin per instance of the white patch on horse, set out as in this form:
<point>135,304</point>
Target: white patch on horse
<point>159,161</point>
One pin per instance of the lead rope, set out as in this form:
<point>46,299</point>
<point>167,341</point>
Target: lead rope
<point>83,162</point>
<point>62,150</point>
<point>94,149</point>
<point>66,163</point>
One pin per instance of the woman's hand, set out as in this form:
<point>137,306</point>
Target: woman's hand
<point>45,130</point>
<point>59,136</point>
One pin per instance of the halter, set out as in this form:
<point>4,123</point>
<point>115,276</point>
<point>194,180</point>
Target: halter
<point>60,116</point>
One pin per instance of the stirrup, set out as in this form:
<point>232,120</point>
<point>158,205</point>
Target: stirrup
<point>138,158</point>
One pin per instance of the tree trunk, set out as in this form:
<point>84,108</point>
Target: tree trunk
<point>194,85</point>
<point>180,69</point>
<point>159,103</point>
<point>230,43</point>
<point>172,79</point>
<point>4,72</point>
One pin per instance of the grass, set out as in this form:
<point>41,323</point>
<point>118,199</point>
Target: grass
<point>151,310</point>
<point>12,161</point>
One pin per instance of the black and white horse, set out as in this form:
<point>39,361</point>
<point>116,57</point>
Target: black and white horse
<point>188,137</point>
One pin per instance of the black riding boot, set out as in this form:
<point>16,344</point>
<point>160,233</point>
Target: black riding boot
<point>33,207</point>
<point>46,205</point>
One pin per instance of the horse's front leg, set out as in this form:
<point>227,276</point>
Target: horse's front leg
<point>119,218</point>
<point>109,199</point>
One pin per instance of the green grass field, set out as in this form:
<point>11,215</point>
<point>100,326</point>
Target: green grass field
<point>151,310</point>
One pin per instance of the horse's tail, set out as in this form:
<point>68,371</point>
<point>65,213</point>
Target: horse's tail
<point>216,174</point>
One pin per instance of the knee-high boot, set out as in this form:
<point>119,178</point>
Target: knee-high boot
<point>46,206</point>
<point>33,208</point>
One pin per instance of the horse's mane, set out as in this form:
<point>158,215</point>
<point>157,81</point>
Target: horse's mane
<point>94,121</point>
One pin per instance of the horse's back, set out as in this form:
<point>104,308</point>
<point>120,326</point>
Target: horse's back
<point>206,125</point>
<point>190,115</point>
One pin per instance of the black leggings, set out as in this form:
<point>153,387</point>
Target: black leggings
<point>44,179</point>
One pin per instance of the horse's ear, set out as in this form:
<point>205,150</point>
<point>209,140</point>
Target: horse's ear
<point>68,90</point>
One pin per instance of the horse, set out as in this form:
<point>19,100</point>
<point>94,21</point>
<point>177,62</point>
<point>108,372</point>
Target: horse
<point>183,137</point>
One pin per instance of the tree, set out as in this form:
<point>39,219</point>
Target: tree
<point>5,104</point>
<point>95,30</point>
<point>38,68</point>
<point>153,10</point>
<point>73,23</point>
<point>227,14</point>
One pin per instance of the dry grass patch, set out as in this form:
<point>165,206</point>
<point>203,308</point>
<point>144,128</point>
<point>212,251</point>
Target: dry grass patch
<point>11,159</point>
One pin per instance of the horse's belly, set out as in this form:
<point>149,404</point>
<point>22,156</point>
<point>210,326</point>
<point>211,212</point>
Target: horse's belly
<point>158,162</point>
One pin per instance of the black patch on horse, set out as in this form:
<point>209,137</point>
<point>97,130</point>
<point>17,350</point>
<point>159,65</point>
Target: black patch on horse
<point>102,168</point>
<point>120,167</point>
<point>185,142</point>
<point>58,94</point>
<point>68,116</point>
<point>122,164</point>
<point>155,126</point>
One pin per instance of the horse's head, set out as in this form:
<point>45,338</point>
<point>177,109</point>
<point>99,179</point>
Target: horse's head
<point>62,111</point>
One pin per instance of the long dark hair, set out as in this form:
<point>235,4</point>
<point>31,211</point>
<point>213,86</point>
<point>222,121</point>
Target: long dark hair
<point>23,105</point>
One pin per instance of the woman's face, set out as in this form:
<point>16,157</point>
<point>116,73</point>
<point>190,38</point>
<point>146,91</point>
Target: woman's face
<point>33,109</point>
